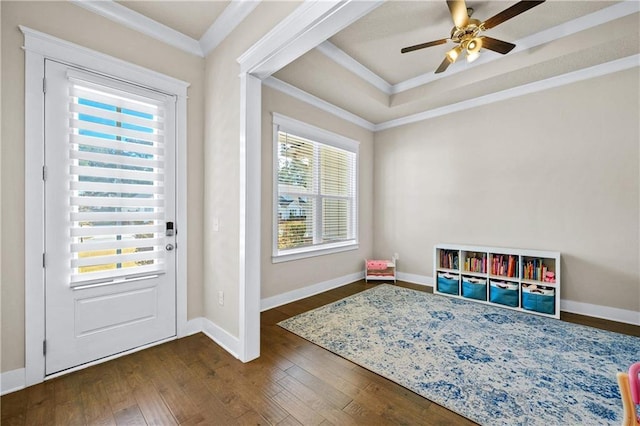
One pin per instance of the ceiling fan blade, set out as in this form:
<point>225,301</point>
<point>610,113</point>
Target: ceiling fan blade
<point>510,12</point>
<point>458,9</point>
<point>423,45</point>
<point>444,65</point>
<point>496,45</point>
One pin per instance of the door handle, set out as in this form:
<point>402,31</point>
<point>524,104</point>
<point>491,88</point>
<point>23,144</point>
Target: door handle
<point>169,247</point>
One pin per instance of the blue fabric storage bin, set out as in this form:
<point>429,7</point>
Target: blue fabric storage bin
<point>448,284</point>
<point>539,300</point>
<point>474,288</point>
<point>504,293</point>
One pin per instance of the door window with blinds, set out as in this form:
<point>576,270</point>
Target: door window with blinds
<point>117,181</point>
<point>315,190</point>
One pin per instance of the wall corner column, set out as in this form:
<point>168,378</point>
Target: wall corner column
<point>250,178</point>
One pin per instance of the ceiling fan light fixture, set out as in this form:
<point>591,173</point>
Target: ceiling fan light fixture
<point>474,45</point>
<point>472,56</point>
<point>453,54</point>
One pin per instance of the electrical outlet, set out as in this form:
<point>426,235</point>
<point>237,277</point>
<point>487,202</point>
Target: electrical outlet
<point>221,298</point>
<point>396,256</point>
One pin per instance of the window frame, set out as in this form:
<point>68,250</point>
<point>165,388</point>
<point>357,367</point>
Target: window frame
<point>325,137</point>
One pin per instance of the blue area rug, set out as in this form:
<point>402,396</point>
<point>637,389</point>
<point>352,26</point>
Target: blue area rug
<point>491,365</point>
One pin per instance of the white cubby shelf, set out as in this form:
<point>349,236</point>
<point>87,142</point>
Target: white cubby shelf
<point>519,279</point>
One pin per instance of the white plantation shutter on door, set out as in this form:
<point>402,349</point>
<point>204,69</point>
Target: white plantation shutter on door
<point>117,182</point>
<point>316,180</point>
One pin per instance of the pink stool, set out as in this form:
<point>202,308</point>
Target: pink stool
<point>629,384</point>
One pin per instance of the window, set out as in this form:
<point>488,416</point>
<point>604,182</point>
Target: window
<point>315,191</point>
<point>117,180</point>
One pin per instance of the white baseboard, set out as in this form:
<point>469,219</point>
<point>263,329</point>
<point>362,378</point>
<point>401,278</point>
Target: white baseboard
<point>301,293</point>
<point>221,337</point>
<point>415,279</point>
<point>11,381</point>
<point>598,311</point>
<point>193,326</point>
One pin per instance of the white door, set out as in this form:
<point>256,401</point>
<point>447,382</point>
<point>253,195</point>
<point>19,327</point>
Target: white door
<point>109,200</point>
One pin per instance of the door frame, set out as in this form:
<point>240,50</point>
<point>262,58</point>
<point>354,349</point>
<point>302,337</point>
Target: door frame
<point>39,46</point>
<point>306,27</point>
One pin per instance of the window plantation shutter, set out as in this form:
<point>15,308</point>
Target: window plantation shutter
<point>296,188</point>
<point>117,179</point>
<point>338,193</point>
<point>316,188</point>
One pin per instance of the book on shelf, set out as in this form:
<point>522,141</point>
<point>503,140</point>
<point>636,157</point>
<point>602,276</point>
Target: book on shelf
<point>476,263</point>
<point>535,269</point>
<point>511,267</point>
<point>506,266</point>
<point>449,259</point>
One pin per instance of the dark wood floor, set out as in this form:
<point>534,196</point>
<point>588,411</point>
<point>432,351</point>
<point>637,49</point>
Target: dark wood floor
<point>193,381</point>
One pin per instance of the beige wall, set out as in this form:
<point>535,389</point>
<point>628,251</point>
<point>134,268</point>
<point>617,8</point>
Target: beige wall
<point>282,277</point>
<point>556,170</point>
<point>222,162</point>
<point>74,24</point>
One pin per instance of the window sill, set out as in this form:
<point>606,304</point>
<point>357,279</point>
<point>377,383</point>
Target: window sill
<point>307,252</point>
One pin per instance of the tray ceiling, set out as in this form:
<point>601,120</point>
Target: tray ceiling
<point>376,39</point>
<point>360,69</point>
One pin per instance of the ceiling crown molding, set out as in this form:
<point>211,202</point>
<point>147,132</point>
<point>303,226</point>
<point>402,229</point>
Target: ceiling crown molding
<point>141,23</point>
<point>525,89</point>
<point>321,104</point>
<point>228,20</point>
<point>339,56</point>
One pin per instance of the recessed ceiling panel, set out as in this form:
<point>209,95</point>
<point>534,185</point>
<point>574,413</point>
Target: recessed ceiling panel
<point>376,39</point>
<point>314,73</point>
